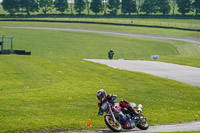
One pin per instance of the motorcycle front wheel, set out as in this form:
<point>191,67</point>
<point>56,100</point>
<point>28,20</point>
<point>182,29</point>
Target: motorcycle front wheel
<point>114,126</point>
<point>144,124</point>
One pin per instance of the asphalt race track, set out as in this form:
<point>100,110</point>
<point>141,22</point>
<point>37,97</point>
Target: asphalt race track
<point>187,39</point>
<point>176,127</point>
<point>185,74</point>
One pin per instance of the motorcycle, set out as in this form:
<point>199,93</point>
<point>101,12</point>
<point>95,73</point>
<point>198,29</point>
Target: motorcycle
<point>118,117</point>
<point>110,54</point>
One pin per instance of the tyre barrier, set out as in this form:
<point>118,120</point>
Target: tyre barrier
<point>18,52</point>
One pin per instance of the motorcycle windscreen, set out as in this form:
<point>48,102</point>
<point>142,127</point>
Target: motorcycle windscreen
<point>133,105</point>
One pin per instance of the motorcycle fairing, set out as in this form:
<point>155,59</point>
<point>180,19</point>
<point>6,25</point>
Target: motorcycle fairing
<point>104,107</point>
<point>125,104</point>
<point>129,124</point>
<point>117,108</point>
<point>133,105</point>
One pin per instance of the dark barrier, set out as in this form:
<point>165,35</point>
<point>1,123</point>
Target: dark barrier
<point>19,52</point>
<point>28,52</point>
<point>6,52</point>
<point>88,22</point>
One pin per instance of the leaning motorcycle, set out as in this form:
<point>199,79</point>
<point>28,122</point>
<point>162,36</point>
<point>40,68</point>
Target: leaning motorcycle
<point>118,117</point>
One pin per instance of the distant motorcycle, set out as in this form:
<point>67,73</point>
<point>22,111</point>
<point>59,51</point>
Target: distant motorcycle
<point>110,54</point>
<point>116,114</point>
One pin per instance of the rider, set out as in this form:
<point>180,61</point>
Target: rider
<point>102,97</point>
<point>110,54</point>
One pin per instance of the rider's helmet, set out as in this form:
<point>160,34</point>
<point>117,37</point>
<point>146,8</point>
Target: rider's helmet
<point>101,95</point>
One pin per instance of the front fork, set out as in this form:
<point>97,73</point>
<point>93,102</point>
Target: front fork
<point>141,117</point>
<point>112,114</point>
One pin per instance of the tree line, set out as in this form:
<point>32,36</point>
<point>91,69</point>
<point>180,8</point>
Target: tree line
<point>106,6</point>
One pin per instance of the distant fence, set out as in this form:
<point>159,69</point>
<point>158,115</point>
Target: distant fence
<point>6,42</point>
<point>100,16</point>
<point>192,22</point>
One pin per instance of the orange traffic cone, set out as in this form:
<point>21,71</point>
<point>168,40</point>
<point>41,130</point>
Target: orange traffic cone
<point>88,123</point>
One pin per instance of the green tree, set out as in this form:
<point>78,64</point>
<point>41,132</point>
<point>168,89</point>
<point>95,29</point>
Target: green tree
<point>88,6</point>
<point>96,6</point>
<point>104,6</point>
<point>28,6</point>
<point>45,5</point>
<point>164,6</point>
<point>11,6</point>
<point>138,6</point>
<point>129,6</point>
<point>113,5</point>
<point>71,6</point>
<point>61,5</point>
<point>184,6</point>
<point>173,5</point>
<point>196,6</point>
<point>79,6</point>
<point>149,6</point>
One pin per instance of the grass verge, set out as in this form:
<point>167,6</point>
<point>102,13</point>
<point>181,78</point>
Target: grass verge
<point>55,89</point>
<point>192,24</point>
<point>130,29</point>
<point>40,93</point>
<point>49,43</point>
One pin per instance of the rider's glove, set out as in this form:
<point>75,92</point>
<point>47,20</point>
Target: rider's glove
<point>100,112</point>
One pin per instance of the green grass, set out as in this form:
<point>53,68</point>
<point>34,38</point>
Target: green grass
<point>60,43</point>
<point>190,60</point>
<point>179,23</point>
<point>176,23</point>
<point>87,46</point>
<point>41,93</point>
<point>131,29</point>
<point>55,88</point>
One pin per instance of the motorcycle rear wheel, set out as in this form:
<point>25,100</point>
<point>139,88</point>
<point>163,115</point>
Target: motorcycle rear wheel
<point>114,126</point>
